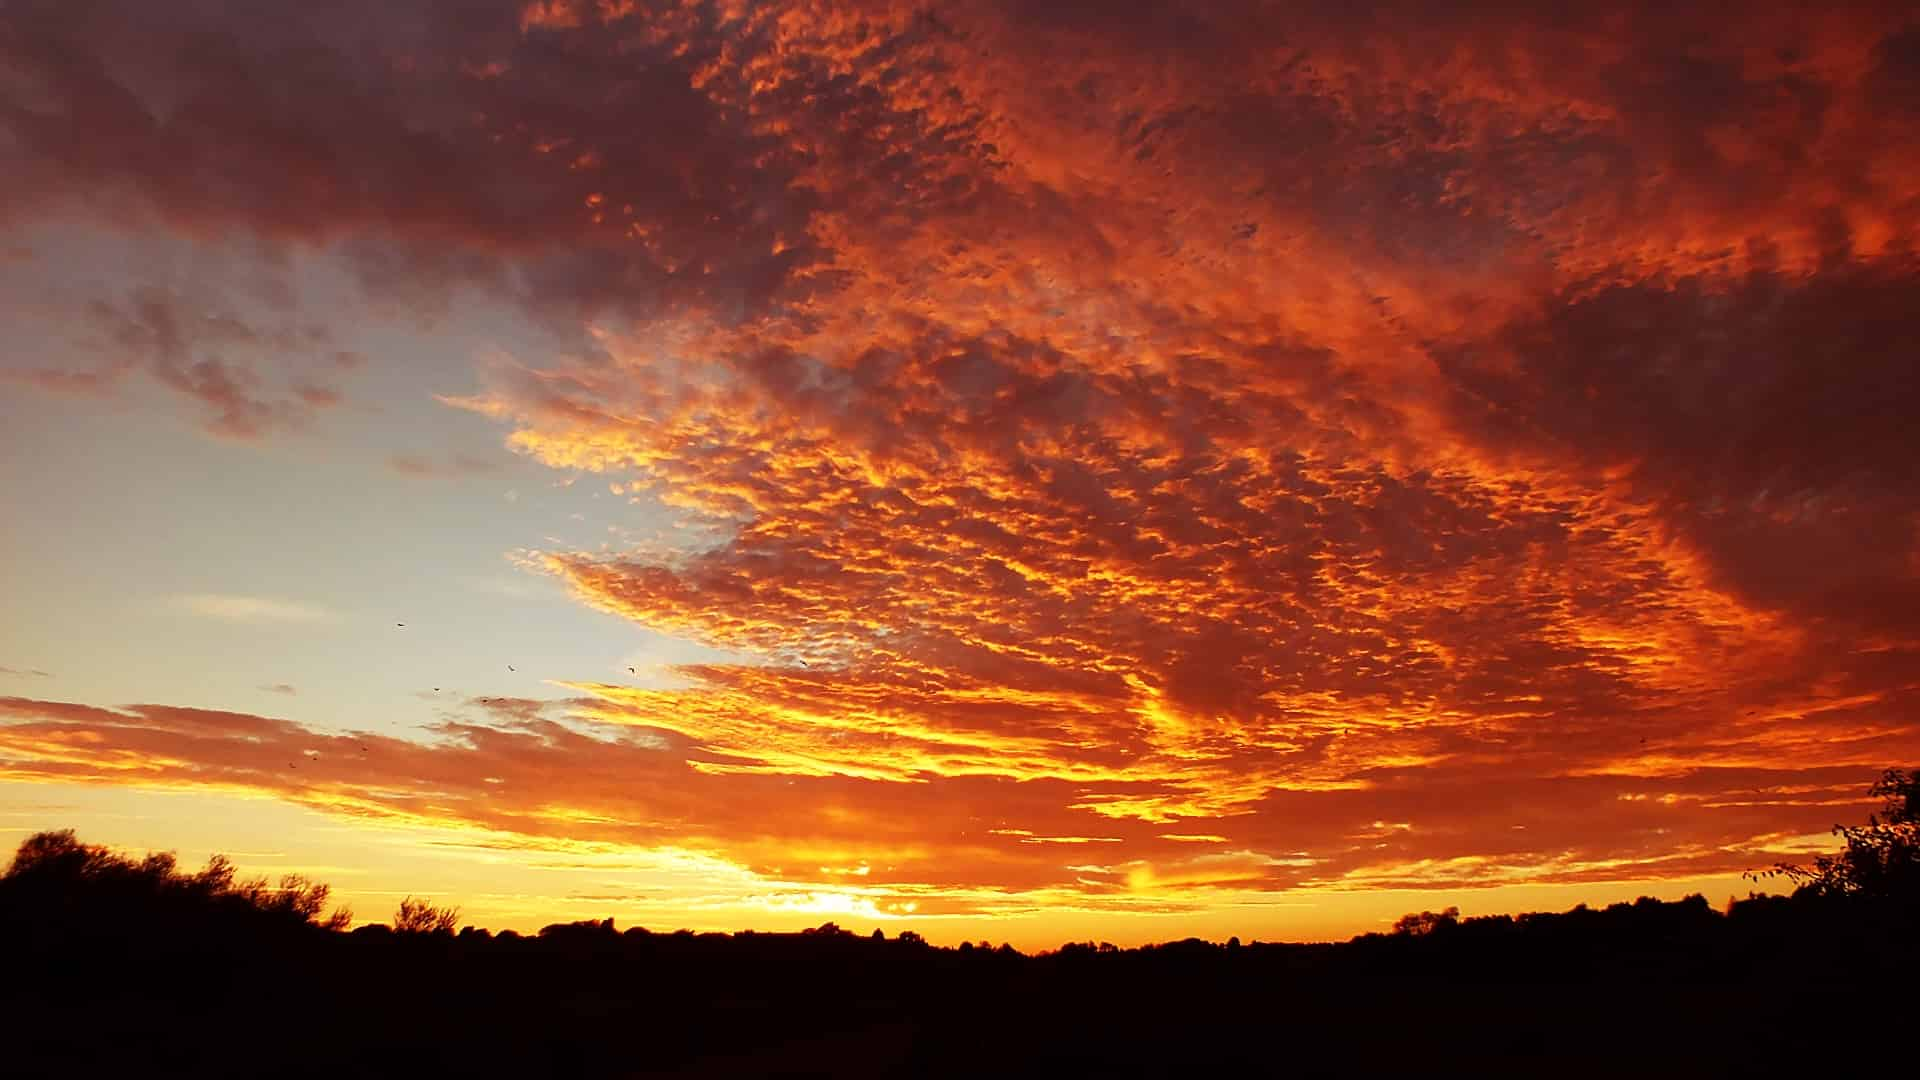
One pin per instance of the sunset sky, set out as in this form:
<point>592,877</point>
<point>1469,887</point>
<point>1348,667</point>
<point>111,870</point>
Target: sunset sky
<point>1031,471</point>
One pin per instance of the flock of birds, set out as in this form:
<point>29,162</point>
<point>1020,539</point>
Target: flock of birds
<point>483,701</point>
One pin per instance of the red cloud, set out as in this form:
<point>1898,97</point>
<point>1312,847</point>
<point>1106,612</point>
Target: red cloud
<point>952,839</point>
<point>197,348</point>
<point>1410,449</point>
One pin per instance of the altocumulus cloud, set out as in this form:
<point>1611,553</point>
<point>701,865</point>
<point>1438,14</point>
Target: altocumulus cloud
<point>1403,449</point>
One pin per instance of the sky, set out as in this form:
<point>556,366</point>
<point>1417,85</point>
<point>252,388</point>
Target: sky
<point>1014,471</point>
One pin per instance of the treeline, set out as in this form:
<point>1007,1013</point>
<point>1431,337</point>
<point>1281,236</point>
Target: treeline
<point>118,965</point>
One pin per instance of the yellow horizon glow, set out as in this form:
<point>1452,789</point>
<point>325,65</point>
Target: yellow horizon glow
<point>518,885</point>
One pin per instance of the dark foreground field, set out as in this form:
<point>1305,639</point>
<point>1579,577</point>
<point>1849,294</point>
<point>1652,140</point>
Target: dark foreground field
<point>142,971</point>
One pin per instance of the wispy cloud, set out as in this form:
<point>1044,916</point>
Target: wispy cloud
<point>279,688</point>
<point>458,465</point>
<point>34,673</point>
<point>238,607</point>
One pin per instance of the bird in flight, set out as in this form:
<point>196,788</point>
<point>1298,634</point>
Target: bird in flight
<point>509,667</point>
<point>401,625</point>
<point>630,671</point>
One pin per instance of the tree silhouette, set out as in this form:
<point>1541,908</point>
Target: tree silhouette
<point>58,865</point>
<point>420,917</point>
<point>1422,923</point>
<point>109,957</point>
<point>1882,857</point>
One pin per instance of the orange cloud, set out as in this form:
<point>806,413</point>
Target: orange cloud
<point>1412,450</point>
<point>545,774</point>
